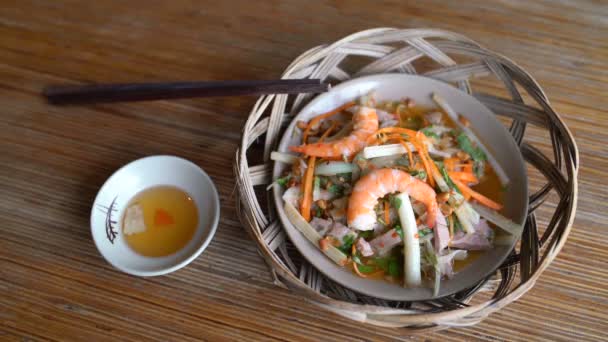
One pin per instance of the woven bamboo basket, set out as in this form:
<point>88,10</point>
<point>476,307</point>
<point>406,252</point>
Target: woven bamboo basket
<point>433,53</point>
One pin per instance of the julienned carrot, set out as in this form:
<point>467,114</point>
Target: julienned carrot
<point>409,132</point>
<point>450,163</point>
<point>410,157</point>
<point>400,139</point>
<point>421,138</point>
<point>387,215</point>
<point>416,138</point>
<point>386,134</point>
<point>418,144</point>
<point>420,151</point>
<point>373,274</point>
<point>425,163</point>
<point>463,176</point>
<point>468,167</point>
<point>477,196</point>
<point>434,170</point>
<point>318,118</point>
<point>382,138</point>
<point>307,184</point>
<point>357,270</point>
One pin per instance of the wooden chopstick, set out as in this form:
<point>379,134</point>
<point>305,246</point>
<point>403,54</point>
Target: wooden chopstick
<point>103,93</point>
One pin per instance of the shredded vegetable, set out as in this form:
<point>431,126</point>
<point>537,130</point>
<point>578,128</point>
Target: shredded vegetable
<point>307,188</point>
<point>386,150</point>
<point>307,185</point>
<point>312,235</point>
<point>283,157</point>
<point>477,196</point>
<point>502,175</point>
<point>499,220</point>
<point>318,119</point>
<point>332,168</point>
<point>410,238</point>
<point>424,167</point>
<point>464,176</point>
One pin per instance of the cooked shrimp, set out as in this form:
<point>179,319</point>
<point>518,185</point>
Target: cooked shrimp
<point>379,183</point>
<point>365,124</point>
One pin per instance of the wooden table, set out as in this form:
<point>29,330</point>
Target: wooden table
<point>55,285</point>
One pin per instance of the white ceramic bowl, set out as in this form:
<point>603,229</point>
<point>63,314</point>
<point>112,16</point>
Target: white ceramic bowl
<point>484,124</point>
<point>114,195</point>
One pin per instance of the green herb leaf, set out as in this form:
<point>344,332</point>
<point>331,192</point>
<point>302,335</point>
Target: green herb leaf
<point>448,180</point>
<point>362,267</point>
<point>457,225</point>
<point>385,262</point>
<point>424,232</point>
<point>366,234</point>
<point>348,240</point>
<point>347,243</point>
<point>420,174</point>
<point>318,212</point>
<point>317,182</point>
<point>402,161</point>
<point>429,255</point>
<point>466,145</point>
<point>344,177</point>
<point>393,268</point>
<point>366,268</point>
<point>323,181</point>
<point>336,189</point>
<point>428,131</point>
<point>283,180</point>
<point>399,230</point>
<point>382,263</point>
<point>395,202</point>
<point>381,220</point>
<point>479,168</point>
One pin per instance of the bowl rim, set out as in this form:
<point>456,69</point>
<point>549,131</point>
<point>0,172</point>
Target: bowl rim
<point>291,230</point>
<point>212,227</point>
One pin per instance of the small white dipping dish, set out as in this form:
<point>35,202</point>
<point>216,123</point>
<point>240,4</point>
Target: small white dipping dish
<point>131,179</point>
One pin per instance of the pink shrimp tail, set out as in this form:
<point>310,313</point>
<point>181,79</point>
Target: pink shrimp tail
<point>381,182</point>
<point>365,124</point>
<point>298,149</point>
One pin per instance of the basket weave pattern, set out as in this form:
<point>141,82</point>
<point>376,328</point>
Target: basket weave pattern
<point>396,50</point>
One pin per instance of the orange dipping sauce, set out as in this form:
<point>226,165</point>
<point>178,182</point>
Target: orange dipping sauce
<point>160,221</point>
